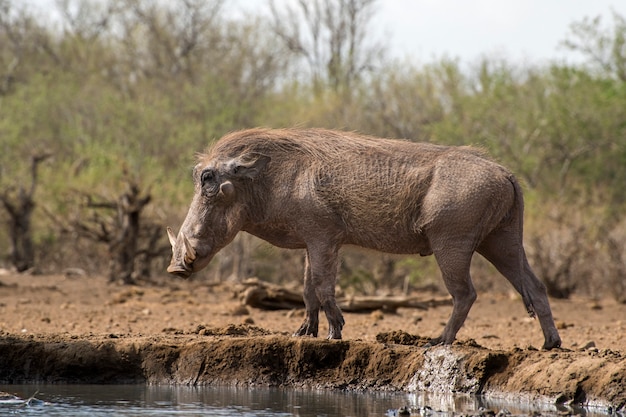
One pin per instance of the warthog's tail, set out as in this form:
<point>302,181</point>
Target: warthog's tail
<point>518,211</point>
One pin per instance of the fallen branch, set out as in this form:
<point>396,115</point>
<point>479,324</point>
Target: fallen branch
<point>363,304</point>
<point>266,296</point>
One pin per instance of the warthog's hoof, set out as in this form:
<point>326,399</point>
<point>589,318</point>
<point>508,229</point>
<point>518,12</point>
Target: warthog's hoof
<point>334,334</point>
<point>435,341</point>
<point>307,329</point>
<point>552,344</point>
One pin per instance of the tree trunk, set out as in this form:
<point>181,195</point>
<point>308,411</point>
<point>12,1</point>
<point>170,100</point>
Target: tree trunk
<point>124,248</point>
<point>20,209</point>
<point>22,252</point>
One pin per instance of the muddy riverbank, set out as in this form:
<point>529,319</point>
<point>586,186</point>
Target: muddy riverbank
<point>84,330</point>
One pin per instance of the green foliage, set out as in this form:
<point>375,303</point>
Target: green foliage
<point>137,86</point>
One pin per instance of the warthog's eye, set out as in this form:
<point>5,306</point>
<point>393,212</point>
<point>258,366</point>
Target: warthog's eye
<point>210,184</point>
<point>207,176</point>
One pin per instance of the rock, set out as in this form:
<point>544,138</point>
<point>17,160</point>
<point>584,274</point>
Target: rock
<point>588,345</point>
<point>404,411</point>
<point>594,305</point>
<point>377,315</point>
<point>296,312</point>
<point>4,396</point>
<point>485,412</point>
<point>240,310</point>
<point>74,272</point>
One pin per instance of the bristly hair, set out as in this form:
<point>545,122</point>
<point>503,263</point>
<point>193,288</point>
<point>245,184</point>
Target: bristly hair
<point>295,141</point>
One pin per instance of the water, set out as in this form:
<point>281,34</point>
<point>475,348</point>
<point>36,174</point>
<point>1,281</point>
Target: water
<point>145,400</point>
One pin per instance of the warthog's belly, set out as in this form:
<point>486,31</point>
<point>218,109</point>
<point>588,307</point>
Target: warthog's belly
<point>391,241</point>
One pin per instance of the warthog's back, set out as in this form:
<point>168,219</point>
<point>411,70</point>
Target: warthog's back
<point>377,193</point>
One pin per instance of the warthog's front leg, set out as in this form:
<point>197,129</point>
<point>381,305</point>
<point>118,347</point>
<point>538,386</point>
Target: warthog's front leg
<point>319,291</point>
<point>311,321</point>
<point>334,317</point>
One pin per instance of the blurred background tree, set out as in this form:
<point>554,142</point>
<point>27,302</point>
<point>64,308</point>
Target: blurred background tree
<point>330,36</point>
<point>133,88</point>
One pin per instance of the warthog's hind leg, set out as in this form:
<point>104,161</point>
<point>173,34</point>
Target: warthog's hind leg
<point>454,264</point>
<point>505,251</point>
<point>539,298</point>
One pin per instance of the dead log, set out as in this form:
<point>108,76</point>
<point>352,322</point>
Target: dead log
<point>364,304</point>
<point>266,296</point>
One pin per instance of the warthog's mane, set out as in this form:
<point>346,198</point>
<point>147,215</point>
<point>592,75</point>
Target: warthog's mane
<point>313,142</point>
<point>318,144</point>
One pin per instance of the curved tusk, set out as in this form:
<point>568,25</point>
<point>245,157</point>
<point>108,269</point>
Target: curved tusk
<point>190,252</point>
<point>171,236</point>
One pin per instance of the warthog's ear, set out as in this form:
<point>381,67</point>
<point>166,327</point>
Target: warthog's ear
<point>248,166</point>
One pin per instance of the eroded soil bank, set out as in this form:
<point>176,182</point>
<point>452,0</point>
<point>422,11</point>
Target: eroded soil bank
<point>82,330</point>
<point>248,355</point>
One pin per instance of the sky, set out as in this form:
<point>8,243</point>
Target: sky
<point>427,30</point>
<point>528,30</point>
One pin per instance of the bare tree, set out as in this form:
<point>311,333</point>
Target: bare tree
<point>122,229</point>
<point>605,48</point>
<point>168,38</point>
<point>26,45</point>
<point>9,38</point>
<point>19,203</point>
<point>616,250</point>
<point>330,35</point>
<point>86,19</point>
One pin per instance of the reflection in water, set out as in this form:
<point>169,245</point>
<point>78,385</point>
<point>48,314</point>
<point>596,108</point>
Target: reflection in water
<point>140,400</point>
<point>513,404</point>
<point>276,401</point>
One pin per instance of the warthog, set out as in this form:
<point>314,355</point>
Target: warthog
<point>318,189</point>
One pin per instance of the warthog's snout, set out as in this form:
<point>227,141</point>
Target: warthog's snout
<point>183,255</point>
<point>179,271</point>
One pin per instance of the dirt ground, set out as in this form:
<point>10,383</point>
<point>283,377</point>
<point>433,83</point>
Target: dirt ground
<point>498,348</point>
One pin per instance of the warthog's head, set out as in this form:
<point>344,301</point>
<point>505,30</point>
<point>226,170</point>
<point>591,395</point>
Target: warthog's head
<point>217,211</point>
